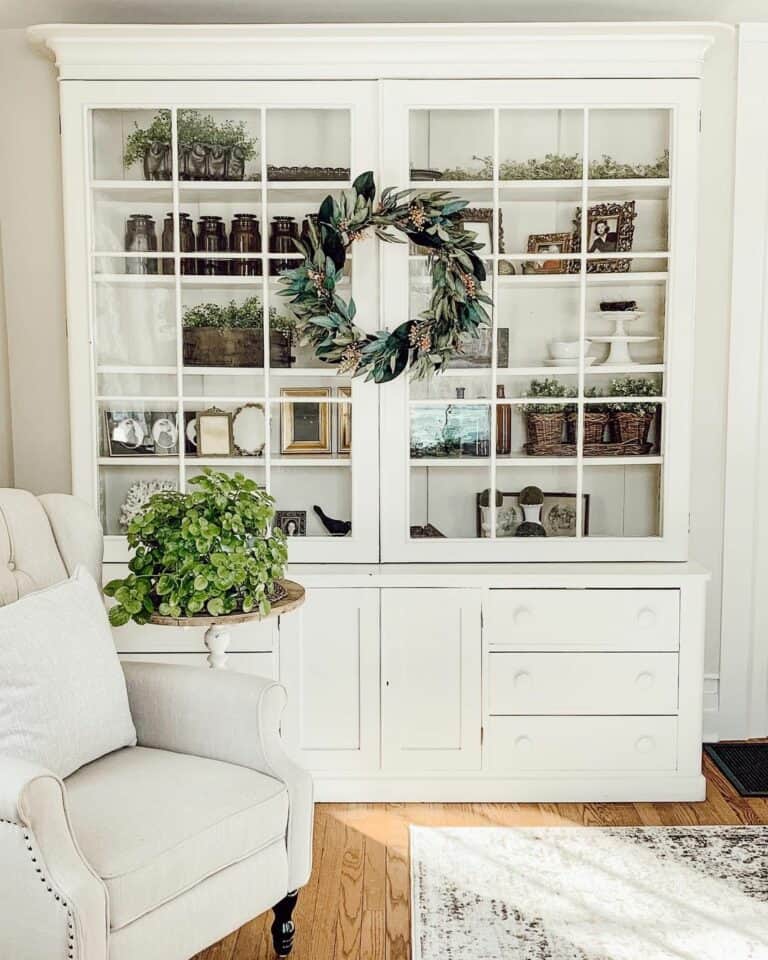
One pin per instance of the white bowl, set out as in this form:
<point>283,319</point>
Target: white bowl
<point>566,349</point>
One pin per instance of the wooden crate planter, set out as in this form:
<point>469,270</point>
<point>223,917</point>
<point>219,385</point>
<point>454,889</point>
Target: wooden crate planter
<point>234,347</point>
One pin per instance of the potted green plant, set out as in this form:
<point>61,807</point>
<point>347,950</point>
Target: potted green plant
<point>232,335</point>
<point>208,552</point>
<point>596,417</point>
<point>631,422</point>
<point>207,150</point>
<point>545,421</point>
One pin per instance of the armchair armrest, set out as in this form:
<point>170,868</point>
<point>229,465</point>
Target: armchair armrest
<point>56,905</point>
<point>227,716</point>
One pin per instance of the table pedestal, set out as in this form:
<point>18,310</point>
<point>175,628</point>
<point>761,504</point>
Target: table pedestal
<point>217,638</point>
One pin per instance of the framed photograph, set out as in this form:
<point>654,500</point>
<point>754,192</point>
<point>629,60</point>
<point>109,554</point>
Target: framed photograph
<point>214,433</point>
<point>293,523</point>
<point>165,434</point>
<point>344,422</point>
<point>305,425</point>
<point>558,514</point>
<point>480,220</point>
<point>550,243</point>
<point>249,430</point>
<point>190,433</point>
<point>128,433</point>
<point>450,430</point>
<point>610,229</point>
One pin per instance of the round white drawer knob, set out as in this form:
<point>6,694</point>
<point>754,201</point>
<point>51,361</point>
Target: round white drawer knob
<point>644,745</point>
<point>523,743</point>
<point>522,679</point>
<point>646,617</point>
<point>522,616</point>
<point>644,681</point>
<point>11,565</point>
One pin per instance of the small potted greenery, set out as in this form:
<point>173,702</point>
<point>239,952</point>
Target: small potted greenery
<point>596,416</point>
<point>232,335</point>
<point>545,421</point>
<point>631,422</point>
<point>208,552</point>
<point>207,150</point>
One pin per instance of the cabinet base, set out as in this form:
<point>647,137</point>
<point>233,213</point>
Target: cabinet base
<point>627,789</point>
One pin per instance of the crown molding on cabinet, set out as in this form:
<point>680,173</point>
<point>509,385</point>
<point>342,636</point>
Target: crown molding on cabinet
<point>373,51</point>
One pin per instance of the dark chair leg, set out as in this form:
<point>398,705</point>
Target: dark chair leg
<point>283,926</point>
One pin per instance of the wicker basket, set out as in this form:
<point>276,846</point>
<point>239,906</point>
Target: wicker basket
<point>631,427</point>
<point>234,347</point>
<point>595,423</point>
<point>545,428</point>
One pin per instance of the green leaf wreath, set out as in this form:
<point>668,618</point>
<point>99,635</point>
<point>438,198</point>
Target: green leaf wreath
<point>456,313</point>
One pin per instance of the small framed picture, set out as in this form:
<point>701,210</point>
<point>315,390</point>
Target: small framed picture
<point>190,433</point>
<point>165,433</point>
<point>557,514</point>
<point>480,221</point>
<point>610,229</point>
<point>128,433</point>
<point>450,430</point>
<point>293,523</point>
<point>305,425</point>
<point>344,422</point>
<point>214,433</point>
<point>550,243</point>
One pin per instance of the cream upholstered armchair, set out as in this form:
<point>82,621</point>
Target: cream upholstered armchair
<point>151,852</point>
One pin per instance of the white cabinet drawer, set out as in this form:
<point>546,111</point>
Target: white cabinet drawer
<point>583,619</point>
<point>582,683</point>
<point>587,744</point>
<point>260,664</point>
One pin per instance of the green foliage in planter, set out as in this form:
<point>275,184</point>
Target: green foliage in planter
<point>530,497</point>
<point>561,166</point>
<point>248,314</point>
<point>206,552</point>
<point>631,387</point>
<point>192,127</point>
<point>591,407</point>
<point>548,387</point>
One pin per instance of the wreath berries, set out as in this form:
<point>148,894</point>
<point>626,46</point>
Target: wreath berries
<point>456,313</point>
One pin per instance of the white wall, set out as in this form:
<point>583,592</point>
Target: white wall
<point>32,267</point>
<point>30,219</point>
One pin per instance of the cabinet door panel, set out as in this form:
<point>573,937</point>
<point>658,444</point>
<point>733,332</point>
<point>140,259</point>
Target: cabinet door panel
<point>430,655</point>
<point>330,665</point>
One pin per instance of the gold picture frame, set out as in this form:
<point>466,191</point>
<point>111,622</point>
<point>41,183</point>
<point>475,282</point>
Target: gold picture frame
<point>344,422</point>
<point>214,433</point>
<point>307,431</point>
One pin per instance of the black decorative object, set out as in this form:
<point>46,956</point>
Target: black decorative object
<point>336,528</point>
<point>283,928</point>
<point>528,529</point>
<point>157,161</point>
<point>283,240</point>
<point>245,237</point>
<point>211,238</point>
<point>620,306</point>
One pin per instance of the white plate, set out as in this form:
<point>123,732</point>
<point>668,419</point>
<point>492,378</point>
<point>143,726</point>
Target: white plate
<point>626,339</point>
<point>618,314</point>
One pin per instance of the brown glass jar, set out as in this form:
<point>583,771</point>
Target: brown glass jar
<point>186,242</point>
<point>140,236</point>
<point>211,238</point>
<point>284,231</point>
<point>503,423</point>
<point>245,237</point>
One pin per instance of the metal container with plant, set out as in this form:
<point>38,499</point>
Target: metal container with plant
<point>211,551</point>
<point>208,150</point>
<point>232,335</point>
<point>545,422</point>
<point>631,422</point>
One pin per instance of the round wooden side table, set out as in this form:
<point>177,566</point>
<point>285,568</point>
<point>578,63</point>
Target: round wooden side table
<point>217,636</point>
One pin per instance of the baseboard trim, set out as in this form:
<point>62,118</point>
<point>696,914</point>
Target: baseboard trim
<point>541,790</point>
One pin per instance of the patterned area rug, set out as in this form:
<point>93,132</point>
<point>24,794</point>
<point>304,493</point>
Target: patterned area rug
<point>617,893</point>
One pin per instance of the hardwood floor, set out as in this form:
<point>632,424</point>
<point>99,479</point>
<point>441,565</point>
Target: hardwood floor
<point>356,905</point>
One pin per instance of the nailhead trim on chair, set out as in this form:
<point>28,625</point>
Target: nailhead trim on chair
<point>48,887</point>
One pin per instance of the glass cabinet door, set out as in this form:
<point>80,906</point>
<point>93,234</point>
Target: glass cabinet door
<point>562,431</point>
<point>194,207</point>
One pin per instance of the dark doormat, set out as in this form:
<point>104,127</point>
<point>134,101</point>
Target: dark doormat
<point>745,765</point>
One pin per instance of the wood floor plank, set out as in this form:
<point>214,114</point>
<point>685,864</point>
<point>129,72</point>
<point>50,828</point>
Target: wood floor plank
<point>356,905</point>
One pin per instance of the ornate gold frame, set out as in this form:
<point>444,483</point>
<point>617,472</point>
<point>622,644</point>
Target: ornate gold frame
<point>292,447</point>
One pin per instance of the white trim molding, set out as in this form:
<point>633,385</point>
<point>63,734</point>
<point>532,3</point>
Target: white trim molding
<point>744,653</point>
<point>374,51</point>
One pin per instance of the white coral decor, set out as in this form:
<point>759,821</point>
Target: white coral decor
<point>138,495</point>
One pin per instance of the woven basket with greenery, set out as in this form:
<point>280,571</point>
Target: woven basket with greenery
<point>595,422</point>
<point>631,422</point>
<point>545,422</point>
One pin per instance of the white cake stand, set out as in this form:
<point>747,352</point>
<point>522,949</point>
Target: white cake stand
<point>619,340</point>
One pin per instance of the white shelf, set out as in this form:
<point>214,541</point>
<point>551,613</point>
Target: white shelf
<point>119,369</point>
<point>318,461</point>
<point>157,461</point>
<point>573,279</point>
<point>649,186</point>
<point>523,461</point>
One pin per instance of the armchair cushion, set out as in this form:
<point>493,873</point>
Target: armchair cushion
<point>153,824</point>
<point>63,700</point>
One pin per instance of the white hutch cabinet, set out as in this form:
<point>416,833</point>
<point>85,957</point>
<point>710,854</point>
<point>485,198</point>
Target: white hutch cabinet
<point>442,652</point>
